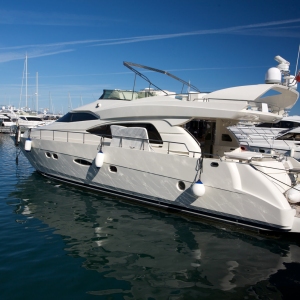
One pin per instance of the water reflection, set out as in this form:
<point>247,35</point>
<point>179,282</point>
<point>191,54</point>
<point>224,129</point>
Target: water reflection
<point>151,252</point>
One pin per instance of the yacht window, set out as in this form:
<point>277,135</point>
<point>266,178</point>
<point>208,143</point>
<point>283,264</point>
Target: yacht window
<point>82,162</point>
<point>290,137</point>
<point>119,95</point>
<point>113,169</point>
<point>204,132</point>
<point>77,117</point>
<point>153,134</point>
<point>226,138</point>
<point>280,124</point>
<point>287,124</point>
<point>181,185</point>
<point>33,119</point>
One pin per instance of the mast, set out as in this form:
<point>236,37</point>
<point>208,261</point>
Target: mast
<point>70,103</point>
<point>26,83</point>
<point>36,94</point>
<point>51,108</point>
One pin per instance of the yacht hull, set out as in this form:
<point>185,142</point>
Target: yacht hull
<point>166,180</point>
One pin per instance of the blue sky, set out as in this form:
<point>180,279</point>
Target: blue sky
<point>78,46</point>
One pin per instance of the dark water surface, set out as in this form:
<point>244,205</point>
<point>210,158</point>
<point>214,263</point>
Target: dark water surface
<point>60,242</point>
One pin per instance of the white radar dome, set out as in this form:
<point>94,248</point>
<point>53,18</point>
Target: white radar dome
<point>273,75</point>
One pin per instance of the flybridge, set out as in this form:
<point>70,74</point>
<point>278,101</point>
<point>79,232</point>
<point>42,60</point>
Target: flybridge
<point>152,90</point>
<point>275,96</point>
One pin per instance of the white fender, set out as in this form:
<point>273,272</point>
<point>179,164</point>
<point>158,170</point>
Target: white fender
<point>198,188</point>
<point>99,159</point>
<point>293,194</point>
<point>27,146</point>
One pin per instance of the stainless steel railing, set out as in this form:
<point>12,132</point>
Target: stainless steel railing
<point>66,136</point>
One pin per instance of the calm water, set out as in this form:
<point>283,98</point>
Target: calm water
<point>60,242</point>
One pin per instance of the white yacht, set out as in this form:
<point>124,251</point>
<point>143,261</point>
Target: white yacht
<point>6,122</point>
<point>287,143</point>
<point>28,121</point>
<point>264,131</point>
<point>135,144</point>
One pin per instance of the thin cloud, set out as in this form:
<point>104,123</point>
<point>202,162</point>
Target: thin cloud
<point>145,71</point>
<point>10,56</point>
<point>16,17</point>
<point>235,29</point>
<point>274,28</point>
<point>244,29</point>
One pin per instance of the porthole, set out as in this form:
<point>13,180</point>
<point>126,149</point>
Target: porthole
<point>54,156</point>
<point>48,154</point>
<point>181,185</point>
<point>214,164</point>
<point>113,169</point>
<point>82,162</point>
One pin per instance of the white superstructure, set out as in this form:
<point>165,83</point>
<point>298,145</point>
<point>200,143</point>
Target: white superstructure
<point>141,145</point>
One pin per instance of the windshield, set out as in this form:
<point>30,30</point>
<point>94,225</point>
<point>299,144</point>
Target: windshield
<point>130,95</point>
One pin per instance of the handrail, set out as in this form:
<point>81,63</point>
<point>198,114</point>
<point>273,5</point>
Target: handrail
<point>110,137</point>
<point>255,132</point>
<point>246,138</point>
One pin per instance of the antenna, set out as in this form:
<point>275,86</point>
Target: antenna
<point>297,61</point>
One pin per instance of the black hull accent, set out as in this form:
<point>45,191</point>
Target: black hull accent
<point>248,223</point>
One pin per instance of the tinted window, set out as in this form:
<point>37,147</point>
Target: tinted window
<point>34,119</point>
<point>287,124</point>
<point>65,118</point>
<point>102,130</point>
<point>226,138</point>
<point>280,124</point>
<point>290,137</point>
<point>153,134</point>
<point>77,117</point>
<point>82,162</point>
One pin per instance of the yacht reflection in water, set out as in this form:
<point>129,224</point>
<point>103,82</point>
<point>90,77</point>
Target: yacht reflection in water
<point>151,250</point>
